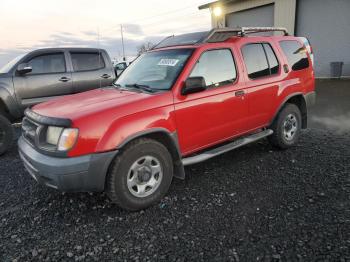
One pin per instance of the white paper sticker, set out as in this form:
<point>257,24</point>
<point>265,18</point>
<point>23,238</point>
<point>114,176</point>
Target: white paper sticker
<point>168,62</point>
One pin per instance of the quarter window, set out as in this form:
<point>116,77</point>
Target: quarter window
<point>48,63</point>
<point>296,54</point>
<point>87,61</point>
<point>217,67</point>
<point>255,60</point>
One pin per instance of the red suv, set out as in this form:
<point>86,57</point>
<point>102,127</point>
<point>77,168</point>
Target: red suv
<point>190,98</point>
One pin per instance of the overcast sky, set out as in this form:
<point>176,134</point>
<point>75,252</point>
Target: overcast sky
<point>30,24</point>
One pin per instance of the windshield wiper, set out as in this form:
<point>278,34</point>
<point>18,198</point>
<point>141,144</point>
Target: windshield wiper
<point>120,87</point>
<point>142,87</point>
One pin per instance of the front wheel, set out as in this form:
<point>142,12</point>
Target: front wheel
<point>286,127</point>
<point>6,134</point>
<point>141,175</point>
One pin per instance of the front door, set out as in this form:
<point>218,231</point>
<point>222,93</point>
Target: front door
<point>48,79</point>
<point>217,113</point>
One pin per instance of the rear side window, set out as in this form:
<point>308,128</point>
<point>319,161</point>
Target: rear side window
<point>255,60</point>
<point>217,67</point>
<point>48,63</point>
<point>296,54</point>
<point>87,61</point>
<point>272,59</point>
<point>260,60</point>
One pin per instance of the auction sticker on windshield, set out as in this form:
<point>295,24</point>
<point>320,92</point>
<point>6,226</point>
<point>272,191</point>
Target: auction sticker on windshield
<point>168,62</point>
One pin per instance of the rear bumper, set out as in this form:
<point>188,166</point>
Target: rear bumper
<point>78,174</point>
<point>310,99</point>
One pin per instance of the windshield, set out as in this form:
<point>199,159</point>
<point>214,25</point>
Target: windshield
<point>156,70</point>
<point>6,68</point>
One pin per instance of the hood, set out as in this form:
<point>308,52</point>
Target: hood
<point>88,103</point>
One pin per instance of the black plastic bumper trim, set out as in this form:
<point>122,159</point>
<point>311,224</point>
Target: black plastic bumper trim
<point>46,120</point>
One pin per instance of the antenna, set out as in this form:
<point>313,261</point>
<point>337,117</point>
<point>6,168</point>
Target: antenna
<point>99,52</point>
<point>121,32</point>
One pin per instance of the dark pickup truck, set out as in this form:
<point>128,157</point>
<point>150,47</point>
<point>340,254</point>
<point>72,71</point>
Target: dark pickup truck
<point>45,74</point>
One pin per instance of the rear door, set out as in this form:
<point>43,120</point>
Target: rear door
<point>90,70</point>
<point>49,78</point>
<point>263,72</point>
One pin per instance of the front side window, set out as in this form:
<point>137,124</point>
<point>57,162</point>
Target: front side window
<point>49,63</point>
<point>87,61</point>
<point>158,70</point>
<point>217,67</point>
<point>296,54</point>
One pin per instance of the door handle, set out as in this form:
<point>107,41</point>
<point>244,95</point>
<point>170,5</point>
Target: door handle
<point>64,79</point>
<point>285,68</point>
<point>239,93</point>
<point>105,76</point>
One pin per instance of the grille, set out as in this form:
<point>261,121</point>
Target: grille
<point>29,130</point>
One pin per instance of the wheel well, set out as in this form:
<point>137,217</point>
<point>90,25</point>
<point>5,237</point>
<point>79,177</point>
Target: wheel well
<point>4,110</point>
<point>299,101</point>
<point>171,144</point>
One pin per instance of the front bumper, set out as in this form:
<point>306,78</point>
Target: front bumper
<point>78,174</point>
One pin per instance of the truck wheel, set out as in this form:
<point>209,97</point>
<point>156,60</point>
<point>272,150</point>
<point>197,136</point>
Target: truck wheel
<point>6,134</point>
<point>141,175</point>
<point>286,127</point>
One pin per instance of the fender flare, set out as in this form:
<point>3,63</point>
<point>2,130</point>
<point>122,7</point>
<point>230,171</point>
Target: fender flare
<point>10,104</point>
<point>172,145</point>
<point>286,99</point>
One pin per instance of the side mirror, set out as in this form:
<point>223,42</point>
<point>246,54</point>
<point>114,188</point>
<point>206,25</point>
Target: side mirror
<point>24,68</point>
<point>193,85</point>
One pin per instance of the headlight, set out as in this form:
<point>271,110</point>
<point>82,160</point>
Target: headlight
<point>68,138</point>
<point>62,138</point>
<point>53,134</point>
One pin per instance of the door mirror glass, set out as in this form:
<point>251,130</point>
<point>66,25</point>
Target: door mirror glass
<point>193,85</point>
<point>24,68</point>
<point>119,68</point>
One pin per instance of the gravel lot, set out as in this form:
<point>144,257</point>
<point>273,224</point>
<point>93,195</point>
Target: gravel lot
<point>252,204</point>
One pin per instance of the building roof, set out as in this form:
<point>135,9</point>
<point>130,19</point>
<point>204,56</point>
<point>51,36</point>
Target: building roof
<point>223,2</point>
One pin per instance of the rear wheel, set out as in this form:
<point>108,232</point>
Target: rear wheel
<point>141,175</point>
<point>286,127</point>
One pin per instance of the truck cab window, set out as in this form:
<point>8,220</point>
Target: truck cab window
<point>48,63</point>
<point>87,61</point>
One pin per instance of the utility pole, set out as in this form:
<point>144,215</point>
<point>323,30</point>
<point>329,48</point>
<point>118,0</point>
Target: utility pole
<point>121,31</point>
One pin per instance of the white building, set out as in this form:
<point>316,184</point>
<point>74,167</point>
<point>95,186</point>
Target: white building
<point>326,23</point>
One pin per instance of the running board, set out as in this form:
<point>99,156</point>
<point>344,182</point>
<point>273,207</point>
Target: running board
<point>225,148</point>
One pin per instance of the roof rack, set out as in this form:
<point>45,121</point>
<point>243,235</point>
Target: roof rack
<point>222,34</point>
<point>215,35</point>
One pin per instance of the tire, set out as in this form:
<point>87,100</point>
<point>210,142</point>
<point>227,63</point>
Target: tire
<point>286,127</point>
<point>142,163</point>
<point>6,134</point>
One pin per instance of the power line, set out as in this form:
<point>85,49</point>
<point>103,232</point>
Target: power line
<point>157,23</point>
<point>154,16</point>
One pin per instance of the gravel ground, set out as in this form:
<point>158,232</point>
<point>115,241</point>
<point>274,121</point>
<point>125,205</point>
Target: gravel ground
<point>254,203</point>
<point>251,204</point>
